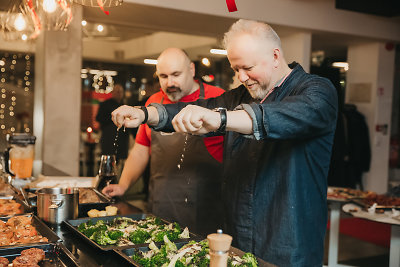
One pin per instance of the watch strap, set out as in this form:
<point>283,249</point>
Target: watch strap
<point>222,126</point>
<point>146,114</point>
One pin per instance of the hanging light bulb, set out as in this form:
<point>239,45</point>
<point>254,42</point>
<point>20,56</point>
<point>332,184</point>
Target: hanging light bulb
<point>49,6</point>
<point>19,22</point>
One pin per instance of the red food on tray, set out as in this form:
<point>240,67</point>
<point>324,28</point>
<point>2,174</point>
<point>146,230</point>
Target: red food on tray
<point>9,207</point>
<point>382,200</point>
<point>29,258</point>
<point>19,230</point>
<point>347,193</point>
<point>4,262</point>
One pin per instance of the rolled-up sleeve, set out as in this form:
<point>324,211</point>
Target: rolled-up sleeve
<point>256,116</point>
<point>309,113</point>
<point>162,116</point>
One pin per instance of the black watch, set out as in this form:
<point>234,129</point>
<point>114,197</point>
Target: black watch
<point>222,126</point>
<point>146,114</point>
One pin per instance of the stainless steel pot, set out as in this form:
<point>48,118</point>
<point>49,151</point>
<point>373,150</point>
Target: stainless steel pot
<point>55,205</point>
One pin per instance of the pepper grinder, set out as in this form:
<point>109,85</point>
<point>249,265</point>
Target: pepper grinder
<point>219,244</point>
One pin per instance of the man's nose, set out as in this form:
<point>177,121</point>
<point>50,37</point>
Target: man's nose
<point>170,81</point>
<point>242,75</point>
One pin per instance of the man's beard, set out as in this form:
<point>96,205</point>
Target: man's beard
<point>174,93</point>
<point>257,92</point>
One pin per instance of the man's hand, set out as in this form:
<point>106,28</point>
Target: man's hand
<point>196,120</point>
<point>127,116</point>
<point>113,190</point>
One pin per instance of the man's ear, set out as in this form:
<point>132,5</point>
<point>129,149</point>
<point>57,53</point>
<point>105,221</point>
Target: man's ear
<point>192,69</point>
<point>277,56</point>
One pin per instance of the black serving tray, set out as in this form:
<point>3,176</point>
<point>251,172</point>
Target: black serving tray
<point>85,207</point>
<point>56,254</point>
<point>127,253</point>
<point>73,225</point>
<point>41,228</point>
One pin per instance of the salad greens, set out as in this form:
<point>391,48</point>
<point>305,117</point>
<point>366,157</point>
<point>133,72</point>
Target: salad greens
<point>126,231</point>
<point>192,254</point>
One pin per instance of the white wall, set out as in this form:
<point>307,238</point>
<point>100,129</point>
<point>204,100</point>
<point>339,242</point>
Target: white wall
<point>372,64</point>
<point>297,47</point>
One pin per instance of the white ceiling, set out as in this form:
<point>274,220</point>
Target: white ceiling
<point>131,21</point>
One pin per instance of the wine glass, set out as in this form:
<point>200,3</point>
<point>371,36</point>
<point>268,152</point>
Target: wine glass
<point>107,171</point>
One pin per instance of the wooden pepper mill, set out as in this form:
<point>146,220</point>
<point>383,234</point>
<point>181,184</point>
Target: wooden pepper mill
<point>219,244</point>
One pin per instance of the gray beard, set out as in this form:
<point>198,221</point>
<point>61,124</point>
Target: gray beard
<point>175,97</point>
<point>258,94</point>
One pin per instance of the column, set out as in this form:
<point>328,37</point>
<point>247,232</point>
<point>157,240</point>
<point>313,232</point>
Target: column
<point>297,47</point>
<point>370,87</point>
<point>57,97</point>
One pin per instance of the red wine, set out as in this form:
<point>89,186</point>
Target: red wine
<point>105,180</point>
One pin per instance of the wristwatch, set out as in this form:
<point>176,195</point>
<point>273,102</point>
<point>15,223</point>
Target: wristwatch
<point>222,126</point>
<point>146,114</point>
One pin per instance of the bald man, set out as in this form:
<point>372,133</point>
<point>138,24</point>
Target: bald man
<point>185,170</point>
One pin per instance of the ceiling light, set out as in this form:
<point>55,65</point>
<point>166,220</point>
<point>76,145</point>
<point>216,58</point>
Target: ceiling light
<point>49,6</point>
<point>205,61</point>
<point>19,22</point>
<point>343,65</point>
<point>24,37</point>
<point>219,52</point>
<point>84,22</point>
<point>100,28</point>
<point>150,61</point>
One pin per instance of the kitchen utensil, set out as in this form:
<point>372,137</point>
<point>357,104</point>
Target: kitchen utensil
<point>55,205</point>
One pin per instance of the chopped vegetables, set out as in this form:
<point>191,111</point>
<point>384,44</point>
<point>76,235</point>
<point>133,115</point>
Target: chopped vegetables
<point>192,254</point>
<point>126,231</point>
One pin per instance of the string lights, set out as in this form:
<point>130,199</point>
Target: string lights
<point>3,94</point>
<point>15,93</point>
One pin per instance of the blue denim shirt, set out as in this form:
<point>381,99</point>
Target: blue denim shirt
<point>275,183</point>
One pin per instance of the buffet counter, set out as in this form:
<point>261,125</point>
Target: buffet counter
<point>67,244</point>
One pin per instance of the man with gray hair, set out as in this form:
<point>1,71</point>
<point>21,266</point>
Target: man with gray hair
<point>279,127</point>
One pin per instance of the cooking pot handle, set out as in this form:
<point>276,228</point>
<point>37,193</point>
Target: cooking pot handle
<point>56,203</point>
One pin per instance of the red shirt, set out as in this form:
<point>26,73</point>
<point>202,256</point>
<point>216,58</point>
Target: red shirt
<point>213,144</point>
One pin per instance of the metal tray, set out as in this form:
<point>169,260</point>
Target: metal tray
<point>73,225</point>
<point>56,254</point>
<point>364,205</point>
<point>126,253</point>
<point>41,228</point>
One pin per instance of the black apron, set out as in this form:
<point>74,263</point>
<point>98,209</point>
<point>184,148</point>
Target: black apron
<point>190,193</point>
